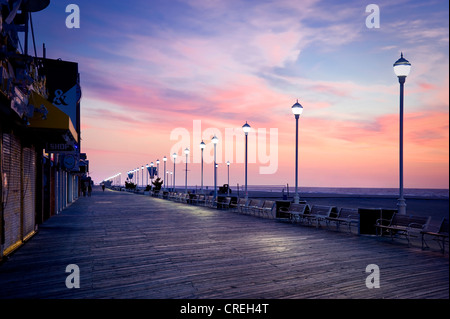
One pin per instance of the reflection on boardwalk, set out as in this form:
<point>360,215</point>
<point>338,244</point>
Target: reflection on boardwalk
<point>133,246</point>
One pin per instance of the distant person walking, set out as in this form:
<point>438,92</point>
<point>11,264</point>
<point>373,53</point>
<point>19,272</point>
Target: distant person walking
<point>90,189</point>
<point>83,188</point>
<point>103,187</point>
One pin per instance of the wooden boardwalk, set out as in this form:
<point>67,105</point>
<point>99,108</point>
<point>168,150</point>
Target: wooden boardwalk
<point>132,246</point>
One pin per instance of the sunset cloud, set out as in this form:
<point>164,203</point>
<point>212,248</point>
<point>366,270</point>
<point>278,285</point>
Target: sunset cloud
<point>150,67</point>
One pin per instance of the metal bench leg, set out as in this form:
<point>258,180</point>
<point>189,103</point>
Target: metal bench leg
<point>442,245</point>
<point>424,243</point>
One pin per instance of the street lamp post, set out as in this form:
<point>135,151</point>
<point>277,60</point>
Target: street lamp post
<point>401,68</point>
<point>174,155</point>
<point>215,140</point>
<point>297,109</point>
<point>142,175</point>
<point>151,173</point>
<point>246,128</point>
<point>166,182</point>
<point>157,167</point>
<point>186,151</point>
<point>146,166</point>
<point>202,147</point>
<point>165,179</point>
<point>228,181</point>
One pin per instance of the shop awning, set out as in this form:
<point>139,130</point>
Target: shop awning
<point>48,117</point>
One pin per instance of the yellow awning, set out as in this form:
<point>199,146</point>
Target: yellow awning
<point>48,116</point>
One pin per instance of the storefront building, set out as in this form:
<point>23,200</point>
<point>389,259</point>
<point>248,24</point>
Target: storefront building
<point>40,158</point>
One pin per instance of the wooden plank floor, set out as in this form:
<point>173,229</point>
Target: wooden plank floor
<point>134,246</point>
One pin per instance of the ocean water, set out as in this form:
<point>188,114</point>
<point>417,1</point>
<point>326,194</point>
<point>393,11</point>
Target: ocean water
<point>408,192</point>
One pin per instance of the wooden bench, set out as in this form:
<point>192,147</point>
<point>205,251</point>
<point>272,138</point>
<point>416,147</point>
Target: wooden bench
<point>234,204</point>
<point>346,216</point>
<point>240,205</point>
<point>184,198</point>
<point>251,205</point>
<point>296,212</point>
<point>401,225</point>
<point>320,213</point>
<point>178,197</point>
<point>223,202</point>
<point>209,200</point>
<point>264,208</point>
<point>199,199</point>
<point>193,199</point>
<point>438,230</point>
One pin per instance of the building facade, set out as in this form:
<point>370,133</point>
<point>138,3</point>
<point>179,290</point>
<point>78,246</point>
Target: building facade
<point>41,166</point>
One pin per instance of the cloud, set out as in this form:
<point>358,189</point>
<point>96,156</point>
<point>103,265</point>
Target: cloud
<point>150,67</point>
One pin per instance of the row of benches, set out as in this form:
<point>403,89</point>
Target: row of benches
<point>398,225</point>
<point>263,208</point>
<point>259,207</point>
<point>304,213</point>
<point>409,225</point>
<point>190,198</point>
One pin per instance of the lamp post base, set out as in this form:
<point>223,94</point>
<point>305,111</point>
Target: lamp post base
<point>296,199</point>
<point>401,205</point>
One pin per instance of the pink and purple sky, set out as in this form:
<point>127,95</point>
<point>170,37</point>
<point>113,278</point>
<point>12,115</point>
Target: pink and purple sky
<point>150,69</point>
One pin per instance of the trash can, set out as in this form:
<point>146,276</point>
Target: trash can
<point>282,203</point>
<point>368,218</point>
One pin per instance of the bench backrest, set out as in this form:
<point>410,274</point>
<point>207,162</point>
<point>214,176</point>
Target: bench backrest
<point>327,211</point>
<point>242,201</point>
<point>419,221</point>
<point>433,226</point>
<point>409,221</point>
<point>350,213</point>
<point>268,204</point>
<point>444,227</point>
<point>254,202</point>
<point>400,220</point>
<point>300,208</point>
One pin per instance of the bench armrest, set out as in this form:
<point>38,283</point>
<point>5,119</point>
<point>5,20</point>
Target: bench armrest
<point>379,221</point>
<point>416,225</point>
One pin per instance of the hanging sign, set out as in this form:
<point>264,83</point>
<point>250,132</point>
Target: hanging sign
<point>152,171</point>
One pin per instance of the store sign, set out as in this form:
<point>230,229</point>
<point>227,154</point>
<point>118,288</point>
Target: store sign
<point>63,87</point>
<point>60,148</point>
<point>71,161</point>
<point>152,171</point>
